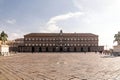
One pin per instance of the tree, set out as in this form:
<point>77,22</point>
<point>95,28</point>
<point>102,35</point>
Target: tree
<point>117,38</point>
<point>3,37</point>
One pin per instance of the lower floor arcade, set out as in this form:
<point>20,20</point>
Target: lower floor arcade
<point>58,49</point>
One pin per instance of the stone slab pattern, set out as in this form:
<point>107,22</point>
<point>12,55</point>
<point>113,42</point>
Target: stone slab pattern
<point>59,66</point>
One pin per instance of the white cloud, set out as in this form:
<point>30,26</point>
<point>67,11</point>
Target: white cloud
<point>11,21</point>
<point>14,35</point>
<point>93,5</point>
<point>2,25</point>
<point>64,17</point>
<point>101,17</point>
<point>52,24</point>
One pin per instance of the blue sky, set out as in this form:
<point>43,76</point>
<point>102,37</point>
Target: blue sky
<point>101,17</point>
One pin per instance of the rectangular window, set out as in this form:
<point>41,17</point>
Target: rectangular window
<point>33,39</point>
<point>75,39</point>
<point>67,44</point>
<point>26,39</point>
<point>71,44</point>
<point>36,39</point>
<point>33,44</point>
<point>25,44</point>
<point>74,44</point>
<point>29,44</point>
<point>36,44</point>
<point>43,44</point>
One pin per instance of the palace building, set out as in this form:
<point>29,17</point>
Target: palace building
<point>60,42</point>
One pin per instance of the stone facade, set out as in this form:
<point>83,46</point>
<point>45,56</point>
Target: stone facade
<point>60,42</point>
<point>4,50</point>
<point>13,45</point>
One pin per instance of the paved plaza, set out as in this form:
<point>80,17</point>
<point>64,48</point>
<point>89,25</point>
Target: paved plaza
<point>59,66</point>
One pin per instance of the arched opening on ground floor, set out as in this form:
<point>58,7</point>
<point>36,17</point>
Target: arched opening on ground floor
<point>82,49</point>
<point>40,49</point>
<point>61,49</point>
<point>46,49</point>
<point>75,49</point>
<point>33,49</point>
<point>89,49</point>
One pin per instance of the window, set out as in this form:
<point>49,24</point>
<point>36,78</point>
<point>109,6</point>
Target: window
<point>46,39</point>
<point>96,39</point>
<point>96,45</point>
<point>32,38</point>
<point>29,44</point>
<point>60,44</point>
<point>68,44</point>
<point>92,39</point>
<point>29,38</point>
<point>50,44</point>
<point>65,44</point>
<point>81,44</point>
<point>39,44</point>
<point>26,39</point>
<point>36,39</point>
<point>74,44</point>
<point>36,44</point>
<point>92,44</point>
<point>33,44</point>
<point>25,44</point>
<point>88,44</point>
<point>75,39</point>
<point>43,44</point>
<point>71,44</point>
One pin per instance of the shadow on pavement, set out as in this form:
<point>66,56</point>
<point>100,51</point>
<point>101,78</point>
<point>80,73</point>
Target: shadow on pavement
<point>108,56</point>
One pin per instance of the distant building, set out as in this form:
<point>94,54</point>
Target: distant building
<point>60,42</point>
<point>13,45</point>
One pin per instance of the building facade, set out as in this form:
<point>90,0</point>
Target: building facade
<point>14,44</point>
<point>60,42</point>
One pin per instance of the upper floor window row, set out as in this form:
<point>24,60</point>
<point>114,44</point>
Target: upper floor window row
<point>57,39</point>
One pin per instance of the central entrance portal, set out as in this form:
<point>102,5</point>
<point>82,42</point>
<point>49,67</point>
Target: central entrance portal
<point>33,49</point>
<point>61,49</point>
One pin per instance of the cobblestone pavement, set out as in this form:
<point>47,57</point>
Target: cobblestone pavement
<point>59,66</point>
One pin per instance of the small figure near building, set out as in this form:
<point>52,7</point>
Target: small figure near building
<point>116,49</point>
